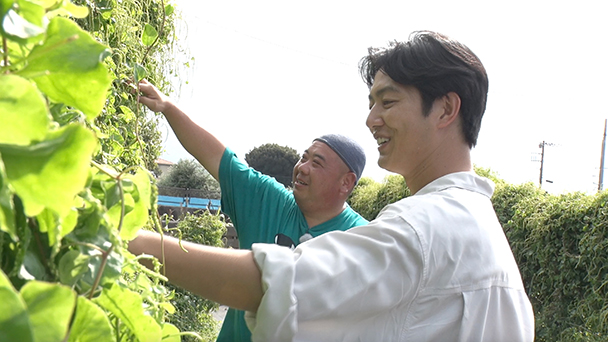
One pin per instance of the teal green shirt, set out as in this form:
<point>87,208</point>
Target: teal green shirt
<point>262,211</point>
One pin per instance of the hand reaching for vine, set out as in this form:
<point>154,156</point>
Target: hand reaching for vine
<point>152,98</point>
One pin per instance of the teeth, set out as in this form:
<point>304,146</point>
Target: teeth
<point>381,141</point>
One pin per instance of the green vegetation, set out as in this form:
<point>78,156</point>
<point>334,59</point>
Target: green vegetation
<point>189,174</point>
<point>75,155</point>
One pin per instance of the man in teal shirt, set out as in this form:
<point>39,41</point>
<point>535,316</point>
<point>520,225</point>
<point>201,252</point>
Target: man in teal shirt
<point>261,209</point>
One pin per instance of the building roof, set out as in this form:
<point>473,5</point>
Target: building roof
<point>161,161</point>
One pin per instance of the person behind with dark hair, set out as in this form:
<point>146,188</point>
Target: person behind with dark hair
<point>261,208</point>
<point>435,266</point>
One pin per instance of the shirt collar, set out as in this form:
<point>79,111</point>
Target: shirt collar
<point>464,180</point>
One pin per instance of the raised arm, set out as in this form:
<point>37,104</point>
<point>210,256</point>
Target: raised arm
<point>226,276</point>
<point>201,144</point>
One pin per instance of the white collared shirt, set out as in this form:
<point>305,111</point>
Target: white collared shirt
<point>435,266</point>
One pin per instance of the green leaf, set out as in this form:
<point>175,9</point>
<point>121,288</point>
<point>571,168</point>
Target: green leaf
<point>7,208</point>
<point>170,333</point>
<point>128,307</point>
<point>5,5</point>
<point>18,95</point>
<point>139,71</point>
<point>51,173</point>
<point>50,308</point>
<point>141,194</point>
<point>33,266</point>
<point>169,9</point>
<point>71,9</point>
<point>149,35</point>
<point>68,67</point>
<point>19,29</point>
<point>14,321</point>
<point>91,324</point>
<point>128,113</point>
<point>72,267</point>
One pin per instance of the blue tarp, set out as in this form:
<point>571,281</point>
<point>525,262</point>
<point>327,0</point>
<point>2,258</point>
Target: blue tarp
<point>189,202</point>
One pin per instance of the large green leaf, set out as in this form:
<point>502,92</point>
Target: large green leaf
<point>68,67</point>
<point>91,324</point>
<point>50,308</point>
<point>50,173</point>
<point>23,112</point>
<point>14,321</point>
<point>128,307</point>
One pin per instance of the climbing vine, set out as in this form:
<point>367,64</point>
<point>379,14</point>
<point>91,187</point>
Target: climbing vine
<point>75,185</point>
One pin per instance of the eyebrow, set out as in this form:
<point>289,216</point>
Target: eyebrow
<point>315,155</point>
<point>381,91</point>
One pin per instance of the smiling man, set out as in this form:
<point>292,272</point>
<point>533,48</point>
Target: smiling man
<point>260,208</point>
<point>435,266</point>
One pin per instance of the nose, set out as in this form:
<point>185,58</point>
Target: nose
<point>374,120</point>
<point>301,167</point>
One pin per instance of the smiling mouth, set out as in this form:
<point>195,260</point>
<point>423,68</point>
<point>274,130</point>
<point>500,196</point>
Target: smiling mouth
<point>382,141</point>
<point>299,182</point>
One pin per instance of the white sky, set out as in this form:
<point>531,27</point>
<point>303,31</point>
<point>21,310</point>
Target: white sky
<point>285,72</point>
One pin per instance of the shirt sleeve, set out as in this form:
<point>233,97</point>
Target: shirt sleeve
<point>337,277</point>
<point>249,198</point>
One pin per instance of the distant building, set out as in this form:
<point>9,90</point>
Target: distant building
<point>164,165</point>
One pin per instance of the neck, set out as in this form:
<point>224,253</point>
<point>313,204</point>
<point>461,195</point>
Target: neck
<point>448,157</point>
<point>316,216</point>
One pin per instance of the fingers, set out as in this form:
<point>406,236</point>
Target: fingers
<point>150,96</point>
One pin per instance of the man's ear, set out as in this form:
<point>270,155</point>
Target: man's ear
<point>450,109</point>
<point>348,182</point>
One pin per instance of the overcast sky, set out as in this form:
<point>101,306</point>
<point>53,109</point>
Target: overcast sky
<point>286,72</point>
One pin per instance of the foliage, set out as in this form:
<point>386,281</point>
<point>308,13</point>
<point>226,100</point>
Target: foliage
<point>369,197</point>
<point>560,245</point>
<point>64,218</point>
<point>131,137</point>
<point>188,173</point>
<point>274,160</point>
<point>194,313</point>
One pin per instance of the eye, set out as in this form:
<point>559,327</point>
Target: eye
<point>387,103</point>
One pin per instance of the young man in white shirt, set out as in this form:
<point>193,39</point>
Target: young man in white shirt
<point>435,266</point>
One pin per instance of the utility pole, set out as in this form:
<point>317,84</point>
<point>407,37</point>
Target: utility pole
<point>542,160</point>
<point>600,183</point>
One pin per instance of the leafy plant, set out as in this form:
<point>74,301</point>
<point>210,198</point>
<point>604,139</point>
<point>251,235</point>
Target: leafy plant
<point>70,200</point>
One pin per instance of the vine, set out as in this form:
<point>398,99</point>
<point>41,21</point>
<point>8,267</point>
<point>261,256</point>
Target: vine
<point>67,212</point>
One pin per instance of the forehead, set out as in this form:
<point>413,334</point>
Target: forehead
<point>323,151</point>
<point>384,85</point>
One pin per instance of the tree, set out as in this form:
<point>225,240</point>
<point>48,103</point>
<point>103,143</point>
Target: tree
<point>274,160</point>
<point>188,173</point>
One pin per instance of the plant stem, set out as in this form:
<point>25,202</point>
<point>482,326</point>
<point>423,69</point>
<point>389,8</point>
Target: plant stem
<point>5,53</point>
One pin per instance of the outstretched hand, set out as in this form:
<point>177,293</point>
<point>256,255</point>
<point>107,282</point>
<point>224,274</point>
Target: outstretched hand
<point>151,97</point>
